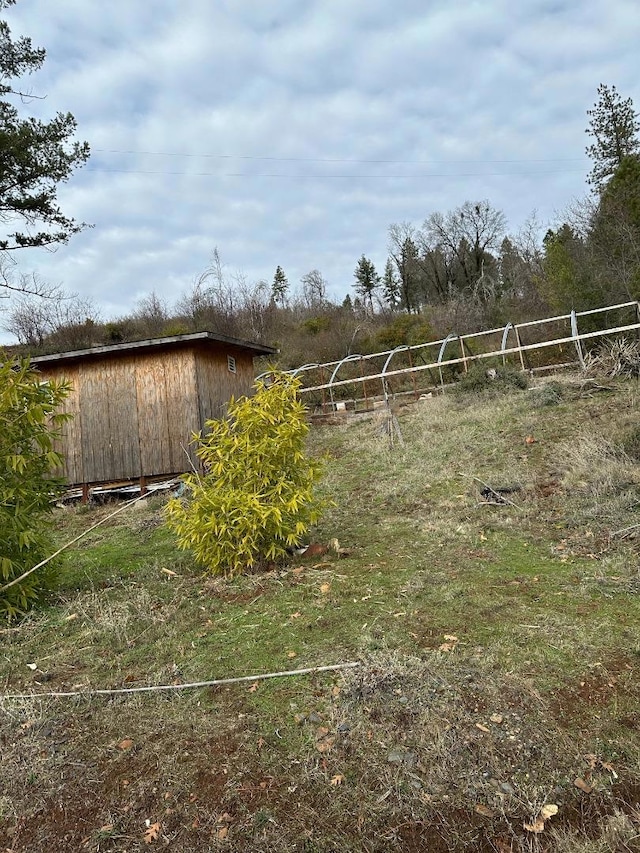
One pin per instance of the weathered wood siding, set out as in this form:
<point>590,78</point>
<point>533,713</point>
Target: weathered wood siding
<point>109,419</point>
<point>217,384</point>
<point>153,414</point>
<point>134,415</point>
<point>182,408</point>
<point>71,443</point>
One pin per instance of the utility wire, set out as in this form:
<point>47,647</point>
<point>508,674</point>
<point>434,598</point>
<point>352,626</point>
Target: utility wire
<point>328,159</point>
<point>321,177</point>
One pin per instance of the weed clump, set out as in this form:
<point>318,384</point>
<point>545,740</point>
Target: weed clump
<point>614,358</point>
<point>601,479</point>
<point>498,380</point>
<point>551,394</point>
<point>631,443</point>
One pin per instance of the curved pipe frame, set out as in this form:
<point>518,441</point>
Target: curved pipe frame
<point>345,360</point>
<point>576,337</point>
<point>385,387</point>
<point>450,337</point>
<point>519,349</point>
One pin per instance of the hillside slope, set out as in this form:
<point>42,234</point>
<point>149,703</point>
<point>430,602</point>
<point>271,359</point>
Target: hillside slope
<point>487,584</point>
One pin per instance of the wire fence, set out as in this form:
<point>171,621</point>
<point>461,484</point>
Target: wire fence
<point>363,382</point>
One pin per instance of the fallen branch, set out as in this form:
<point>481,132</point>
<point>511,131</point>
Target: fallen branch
<point>69,544</point>
<point>624,530</point>
<point>189,686</point>
<point>500,497</point>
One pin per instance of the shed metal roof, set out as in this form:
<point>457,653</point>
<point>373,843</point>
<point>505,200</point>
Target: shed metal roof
<point>173,342</point>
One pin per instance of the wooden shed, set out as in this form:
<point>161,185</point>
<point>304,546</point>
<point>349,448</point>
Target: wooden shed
<point>136,405</point>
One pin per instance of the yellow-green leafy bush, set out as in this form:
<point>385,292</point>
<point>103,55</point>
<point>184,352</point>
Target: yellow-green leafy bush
<point>258,496</point>
<point>29,423</point>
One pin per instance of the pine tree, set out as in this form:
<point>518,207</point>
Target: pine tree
<point>614,236</point>
<point>568,278</point>
<point>409,270</point>
<point>391,286</point>
<point>347,304</point>
<point>367,281</point>
<point>614,125</point>
<point>35,156</point>
<point>279,287</point>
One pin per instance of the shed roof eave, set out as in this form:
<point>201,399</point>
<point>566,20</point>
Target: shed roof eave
<point>174,341</point>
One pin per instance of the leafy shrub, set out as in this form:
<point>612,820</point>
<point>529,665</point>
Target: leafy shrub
<point>483,377</point>
<point>257,497</point>
<point>29,423</point>
<point>315,325</point>
<point>404,329</point>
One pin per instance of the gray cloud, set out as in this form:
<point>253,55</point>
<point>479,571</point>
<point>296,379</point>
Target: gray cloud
<point>462,87</point>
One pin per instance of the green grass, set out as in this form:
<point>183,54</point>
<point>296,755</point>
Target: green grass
<point>540,596</point>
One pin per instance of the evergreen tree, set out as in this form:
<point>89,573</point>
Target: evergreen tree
<point>568,277</point>
<point>280,287</point>
<point>438,282</point>
<point>35,156</point>
<point>404,252</point>
<point>614,236</point>
<point>614,125</point>
<point>367,281</point>
<point>518,271</point>
<point>391,286</point>
<point>409,275</point>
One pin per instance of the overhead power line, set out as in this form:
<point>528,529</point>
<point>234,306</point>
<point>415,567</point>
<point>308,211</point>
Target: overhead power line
<point>322,177</point>
<point>331,159</point>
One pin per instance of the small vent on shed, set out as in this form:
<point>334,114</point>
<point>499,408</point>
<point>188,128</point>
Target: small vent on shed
<point>231,363</point>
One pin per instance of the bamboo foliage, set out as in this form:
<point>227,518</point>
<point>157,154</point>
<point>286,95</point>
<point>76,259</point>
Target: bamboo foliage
<point>257,498</point>
<point>29,424</point>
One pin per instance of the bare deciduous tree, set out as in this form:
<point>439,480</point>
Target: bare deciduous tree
<point>314,289</point>
<point>465,237</point>
<point>14,281</point>
<point>210,305</point>
<point>64,321</point>
<point>255,307</point>
<point>151,314</point>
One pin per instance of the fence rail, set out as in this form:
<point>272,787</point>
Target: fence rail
<point>322,384</point>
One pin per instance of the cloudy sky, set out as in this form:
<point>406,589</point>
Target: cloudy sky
<point>294,132</point>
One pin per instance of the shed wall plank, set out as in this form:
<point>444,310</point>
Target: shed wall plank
<point>70,442</point>
<point>124,443</point>
<point>217,384</point>
<point>182,408</point>
<point>153,419</point>
<point>94,424</point>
